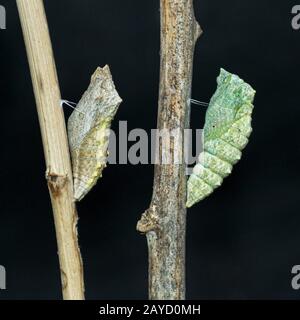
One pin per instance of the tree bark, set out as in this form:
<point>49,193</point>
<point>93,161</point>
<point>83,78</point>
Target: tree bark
<point>165,221</point>
<point>55,143</point>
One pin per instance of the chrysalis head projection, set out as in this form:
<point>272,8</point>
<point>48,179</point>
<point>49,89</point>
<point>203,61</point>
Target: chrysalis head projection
<point>88,131</point>
<point>226,132</point>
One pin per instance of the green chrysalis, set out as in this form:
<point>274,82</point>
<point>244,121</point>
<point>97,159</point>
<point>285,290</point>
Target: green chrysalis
<point>226,132</point>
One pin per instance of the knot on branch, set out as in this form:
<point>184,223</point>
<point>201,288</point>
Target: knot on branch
<point>148,221</point>
<point>56,182</point>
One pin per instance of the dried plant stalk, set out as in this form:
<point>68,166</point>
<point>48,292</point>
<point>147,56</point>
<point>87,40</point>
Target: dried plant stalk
<point>55,143</point>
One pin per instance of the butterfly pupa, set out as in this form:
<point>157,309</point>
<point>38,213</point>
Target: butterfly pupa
<point>88,131</point>
<point>226,131</point>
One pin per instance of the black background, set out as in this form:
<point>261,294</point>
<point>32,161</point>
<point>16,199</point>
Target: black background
<point>243,240</point>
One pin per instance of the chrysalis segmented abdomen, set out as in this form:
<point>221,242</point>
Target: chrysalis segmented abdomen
<point>89,161</point>
<point>222,149</point>
<point>215,163</point>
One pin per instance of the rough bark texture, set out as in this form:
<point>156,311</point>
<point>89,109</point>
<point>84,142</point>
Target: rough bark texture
<point>165,221</point>
<point>53,129</point>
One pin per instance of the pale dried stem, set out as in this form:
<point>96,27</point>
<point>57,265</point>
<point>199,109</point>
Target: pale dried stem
<point>55,143</point>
